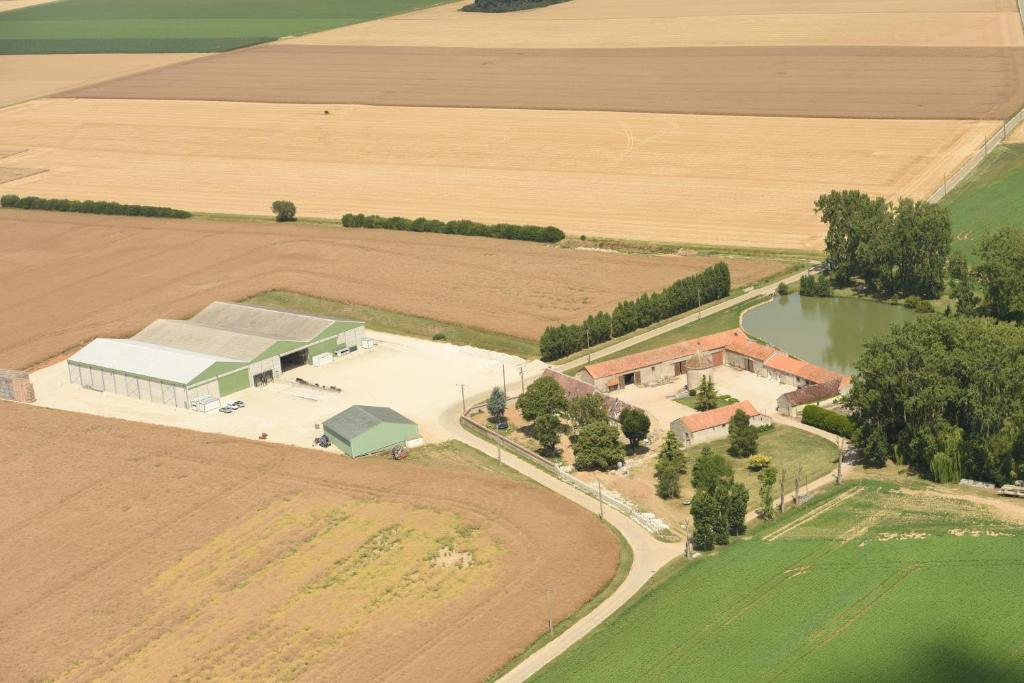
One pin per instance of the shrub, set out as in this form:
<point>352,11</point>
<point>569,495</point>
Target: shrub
<point>759,462</point>
<point>505,231</point>
<point>507,5</point>
<point>815,285</point>
<point>88,206</point>
<point>828,420</point>
<point>439,337</point>
<point>681,296</point>
<point>283,210</point>
<point>782,289</point>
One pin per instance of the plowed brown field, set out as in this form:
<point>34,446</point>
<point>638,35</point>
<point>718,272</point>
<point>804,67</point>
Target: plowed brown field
<point>25,77</point>
<point>149,553</point>
<point>694,179</point>
<point>900,82</point>
<point>671,23</point>
<point>68,278</point>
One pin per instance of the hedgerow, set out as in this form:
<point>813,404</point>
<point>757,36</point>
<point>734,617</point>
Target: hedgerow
<point>89,206</point>
<point>507,5</point>
<point>681,296</point>
<point>505,231</point>
<point>830,421</point>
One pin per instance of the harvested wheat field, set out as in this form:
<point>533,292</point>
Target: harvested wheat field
<point>71,277</point>
<point>692,179</point>
<point>26,77</point>
<point>149,553</point>
<point>671,23</point>
<point>890,82</point>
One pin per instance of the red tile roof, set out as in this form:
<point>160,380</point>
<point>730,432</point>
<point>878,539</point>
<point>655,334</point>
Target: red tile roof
<point>716,417</point>
<point>802,369</point>
<point>812,393</point>
<point>678,351</point>
<point>751,349</point>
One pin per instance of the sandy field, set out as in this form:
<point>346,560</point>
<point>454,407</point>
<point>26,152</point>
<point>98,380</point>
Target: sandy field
<point>901,82</point>
<point>168,554</point>
<point>71,277</point>
<point>8,5</point>
<point>27,77</point>
<point>692,179</point>
<point>670,23</point>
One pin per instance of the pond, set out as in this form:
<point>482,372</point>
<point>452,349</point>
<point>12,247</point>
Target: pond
<point>830,332</point>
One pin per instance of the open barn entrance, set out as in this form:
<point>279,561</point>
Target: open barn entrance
<point>294,360</point>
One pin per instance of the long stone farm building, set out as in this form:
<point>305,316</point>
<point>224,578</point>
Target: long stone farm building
<point>693,358</point>
<point>223,349</point>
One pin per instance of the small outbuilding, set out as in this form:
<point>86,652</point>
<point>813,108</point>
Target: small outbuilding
<point>714,424</point>
<point>361,430</point>
<point>793,403</point>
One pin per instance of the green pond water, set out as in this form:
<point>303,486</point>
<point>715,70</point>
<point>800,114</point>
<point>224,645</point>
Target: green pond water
<point>830,332</point>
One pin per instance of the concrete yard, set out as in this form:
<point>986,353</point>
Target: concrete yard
<point>417,378</point>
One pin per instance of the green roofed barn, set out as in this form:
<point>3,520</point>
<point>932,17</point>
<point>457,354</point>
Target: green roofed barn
<point>361,430</point>
<point>223,349</point>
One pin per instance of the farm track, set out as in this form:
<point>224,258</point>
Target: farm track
<point>878,82</point>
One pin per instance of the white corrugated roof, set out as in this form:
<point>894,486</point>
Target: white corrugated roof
<point>262,321</point>
<point>149,360</point>
<point>199,338</point>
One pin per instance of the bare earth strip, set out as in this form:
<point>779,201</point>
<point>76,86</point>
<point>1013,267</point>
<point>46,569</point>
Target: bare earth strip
<point>27,77</point>
<point>901,82</point>
<point>670,23</point>
<point>8,5</point>
<point>71,277</point>
<point>169,554</point>
<point>694,179</point>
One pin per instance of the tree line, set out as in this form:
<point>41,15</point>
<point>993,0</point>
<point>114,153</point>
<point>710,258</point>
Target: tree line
<point>89,206</point>
<point>945,395</point>
<point>507,5</point>
<point>894,248</point>
<point>995,287</point>
<point>681,296</point>
<point>504,231</point>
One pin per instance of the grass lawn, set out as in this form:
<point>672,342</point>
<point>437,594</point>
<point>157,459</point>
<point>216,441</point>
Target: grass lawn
<point>397,323</point>
<point>866,583</point>
<point>71,26</point>
<point>788,447</point>
<point>716,322</point>
<point>691,401</point>
<point>991,197</point>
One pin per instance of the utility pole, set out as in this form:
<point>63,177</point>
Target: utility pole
<point>499,452</point>
<point>600,500</point>
<point>687,544</point>
<point>522,379</point>
<point>463,387</point>
<point>782,491</point>
<point>839,463</point>
<point>504,384</point>
<point>589,353</point>
<point>698,302</point>
<point>551,623</point>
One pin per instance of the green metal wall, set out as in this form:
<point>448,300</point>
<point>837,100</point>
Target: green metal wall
<point>236,381</point>
<point>383,436</point>
<point>325,346</point>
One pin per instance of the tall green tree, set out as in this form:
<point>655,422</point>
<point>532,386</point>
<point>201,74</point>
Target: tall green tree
<point>1001,273</point>
<point>545,430</point>
<point>766,479</point>
<point>586,409</point>
<point>284,210</point>
<point>742,435</point>
<point>941,387</point>
<point>711,471</point>
<point>597,447</point>
<point>544,397</point>
<point>707,395</point>
<point>922,237</point>
<point>739,496</point>
<point>671,463</point>
<point>850,216</point>
<point>497,402</point>
<point>635,426</point>
<point>705,512</point>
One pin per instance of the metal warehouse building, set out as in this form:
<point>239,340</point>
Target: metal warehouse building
<point>224,348</point>
<point>361,430</point>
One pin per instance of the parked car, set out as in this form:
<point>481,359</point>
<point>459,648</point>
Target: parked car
<point>237,404</point>
<point>227,409</point>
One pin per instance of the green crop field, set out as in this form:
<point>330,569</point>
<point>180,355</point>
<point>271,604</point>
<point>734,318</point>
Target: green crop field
<point>870,583</point>
<point>69,26</point>
<point>991,197</point>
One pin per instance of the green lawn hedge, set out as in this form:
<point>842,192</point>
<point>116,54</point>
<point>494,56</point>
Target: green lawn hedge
<point>828,420</point>
<point>89,206</point>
